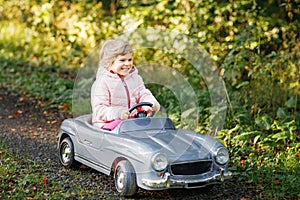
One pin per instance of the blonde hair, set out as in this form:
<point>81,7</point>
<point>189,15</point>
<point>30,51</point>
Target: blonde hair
<point>111,49</point>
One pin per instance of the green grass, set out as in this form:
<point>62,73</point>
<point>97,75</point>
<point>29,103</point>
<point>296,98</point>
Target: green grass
<point>41,83</point>
<point>271,175</point>
<point>23,178</point>
<point>266,161</point>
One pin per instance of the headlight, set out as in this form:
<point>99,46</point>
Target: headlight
<point>159,162</point>
<point>222,156</point>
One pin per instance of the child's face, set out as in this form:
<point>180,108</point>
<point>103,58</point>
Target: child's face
<point>122,65</point>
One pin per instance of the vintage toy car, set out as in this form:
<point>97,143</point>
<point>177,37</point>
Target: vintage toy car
<point>144,152</point>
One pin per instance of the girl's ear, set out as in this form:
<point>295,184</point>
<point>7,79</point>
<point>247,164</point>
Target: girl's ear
<point>109,64</point>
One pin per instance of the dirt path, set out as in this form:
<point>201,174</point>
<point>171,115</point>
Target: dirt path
<point>27,130</point>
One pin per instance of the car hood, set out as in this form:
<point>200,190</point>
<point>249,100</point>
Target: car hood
<point>177,144</point>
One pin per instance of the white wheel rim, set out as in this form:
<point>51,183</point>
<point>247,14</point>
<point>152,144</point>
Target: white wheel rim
<point>66,152</point>
<point>120,179</point>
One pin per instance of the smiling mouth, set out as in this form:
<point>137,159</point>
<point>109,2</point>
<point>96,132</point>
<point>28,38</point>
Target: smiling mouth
<point>126,68</point>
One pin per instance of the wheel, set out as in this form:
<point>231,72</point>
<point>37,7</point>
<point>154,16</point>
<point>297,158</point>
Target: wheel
<point>125,179</point>
<point>66,153</point>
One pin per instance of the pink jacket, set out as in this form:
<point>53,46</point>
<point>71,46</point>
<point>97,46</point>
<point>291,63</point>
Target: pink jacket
<point>111,94</point>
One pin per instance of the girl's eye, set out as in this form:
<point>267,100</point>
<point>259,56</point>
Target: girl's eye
<point>124,60</point>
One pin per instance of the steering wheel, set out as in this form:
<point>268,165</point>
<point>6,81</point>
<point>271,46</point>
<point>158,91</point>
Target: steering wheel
<point>140,111</point>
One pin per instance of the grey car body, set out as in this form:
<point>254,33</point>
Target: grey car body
<point>188,159</point>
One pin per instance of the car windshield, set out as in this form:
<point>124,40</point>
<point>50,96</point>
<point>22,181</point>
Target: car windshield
<point>146,124</point>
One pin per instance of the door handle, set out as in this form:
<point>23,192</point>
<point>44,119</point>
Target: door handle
<point>87,142</point>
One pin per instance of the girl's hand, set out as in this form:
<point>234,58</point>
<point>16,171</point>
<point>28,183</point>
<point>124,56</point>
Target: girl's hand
<point>155,107</point>
<point>124,114</point>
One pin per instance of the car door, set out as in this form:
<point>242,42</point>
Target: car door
<point>91,140</point>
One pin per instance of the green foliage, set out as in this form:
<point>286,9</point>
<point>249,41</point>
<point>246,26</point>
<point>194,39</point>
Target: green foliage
<point>269,154</point>
<point>255,45</point>
<point>43,84</point>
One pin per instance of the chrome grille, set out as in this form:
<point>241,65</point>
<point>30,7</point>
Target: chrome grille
<point>191,168</point>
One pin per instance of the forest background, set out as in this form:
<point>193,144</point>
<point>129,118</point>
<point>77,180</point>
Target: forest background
<point>254,44</point>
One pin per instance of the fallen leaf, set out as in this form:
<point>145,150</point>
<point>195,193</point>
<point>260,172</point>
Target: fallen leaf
<point>34,134</point>
<point>260,186</point>
<point>219,195</point>
<point>13,129</point>
<point>298,155</point>
<point>45,180</point>
<point>41,104</point>
<point>19,112</point>
<point>250,186</point>
<point>1,98</point>
<point>10,117</point>
<point>276,182</point>
<point>245,198</point>
<point>22,99</point>
<point>29,198</point>
<point>63,106</point>
<point>54,122</point>
<point>243,161</point>
<point>24,173</point>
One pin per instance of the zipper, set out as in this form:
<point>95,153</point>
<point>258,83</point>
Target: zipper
<point>126,89</point>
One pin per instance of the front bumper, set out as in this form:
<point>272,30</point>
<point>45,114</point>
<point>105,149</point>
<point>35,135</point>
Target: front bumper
<point>168,182</point>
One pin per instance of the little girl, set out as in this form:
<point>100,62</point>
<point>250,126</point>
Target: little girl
<point>118,86</point>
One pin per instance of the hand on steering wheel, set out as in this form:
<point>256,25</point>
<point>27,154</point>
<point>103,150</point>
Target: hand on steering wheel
<point>140,111</point>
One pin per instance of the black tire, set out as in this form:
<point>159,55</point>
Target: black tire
<point>125,179</point>
<point>66,153</point>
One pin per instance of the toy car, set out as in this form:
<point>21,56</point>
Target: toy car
<point>144,152</point>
